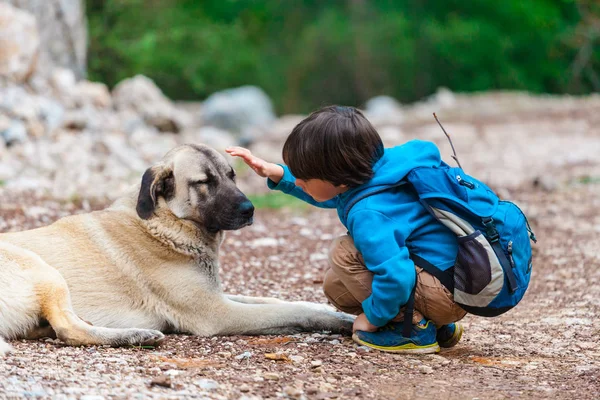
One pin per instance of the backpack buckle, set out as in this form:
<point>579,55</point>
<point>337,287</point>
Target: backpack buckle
<point>490,229</point>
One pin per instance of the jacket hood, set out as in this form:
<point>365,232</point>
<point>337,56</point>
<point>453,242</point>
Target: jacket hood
<point>398,161</point>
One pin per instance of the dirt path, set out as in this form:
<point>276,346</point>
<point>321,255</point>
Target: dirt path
<point>548,347</point>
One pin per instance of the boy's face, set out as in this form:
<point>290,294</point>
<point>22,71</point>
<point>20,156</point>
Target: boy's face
<point>320,190</point>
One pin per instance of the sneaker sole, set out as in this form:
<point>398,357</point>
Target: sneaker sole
<point>453,341</point>
<point>407,348</point>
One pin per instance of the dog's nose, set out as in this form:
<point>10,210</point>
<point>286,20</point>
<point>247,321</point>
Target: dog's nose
<point>246,208</point>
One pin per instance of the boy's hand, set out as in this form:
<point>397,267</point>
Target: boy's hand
<point>361,323</point>
<point>258,165</point>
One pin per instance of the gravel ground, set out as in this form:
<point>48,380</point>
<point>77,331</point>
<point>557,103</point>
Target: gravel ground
<point>547,347</point>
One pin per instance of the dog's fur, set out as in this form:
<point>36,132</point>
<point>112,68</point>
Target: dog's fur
<point>146,265</point>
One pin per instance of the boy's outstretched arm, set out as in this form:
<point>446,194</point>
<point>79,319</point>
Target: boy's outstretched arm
<point>262,168</point>
<point>280,178</point>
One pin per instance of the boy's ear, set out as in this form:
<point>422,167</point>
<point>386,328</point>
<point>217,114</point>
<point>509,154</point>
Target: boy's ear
<point>157,181</point>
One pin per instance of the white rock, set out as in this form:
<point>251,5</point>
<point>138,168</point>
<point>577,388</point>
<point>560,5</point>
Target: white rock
<point>206,384</point>
<point>246,111</point>
<point>63,81</point>
<point>91,93</point>
<point>15,133</point>
<point>19,41</point>
<point>384,110</point>
<point>142,95</point>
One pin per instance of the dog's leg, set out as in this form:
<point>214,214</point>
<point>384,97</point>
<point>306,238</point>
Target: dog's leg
<point>53,303</point>
<point>253,300</point>
<point>4,347</point>
<point>57,309</point>
<point>235,318</point>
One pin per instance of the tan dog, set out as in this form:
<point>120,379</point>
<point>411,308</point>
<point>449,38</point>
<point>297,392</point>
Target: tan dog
<point>147,264</point>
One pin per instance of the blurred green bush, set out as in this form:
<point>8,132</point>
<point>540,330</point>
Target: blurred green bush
<point>305,54</point>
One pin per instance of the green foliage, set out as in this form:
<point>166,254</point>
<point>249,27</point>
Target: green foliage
<point>314,52</point>
<point>277,200</point>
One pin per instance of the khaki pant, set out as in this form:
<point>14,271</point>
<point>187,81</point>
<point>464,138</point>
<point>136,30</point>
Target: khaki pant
<point>348,282</point>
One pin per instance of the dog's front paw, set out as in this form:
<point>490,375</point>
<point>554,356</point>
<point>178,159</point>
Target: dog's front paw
<point>346,323</point>
<point>143,337</point>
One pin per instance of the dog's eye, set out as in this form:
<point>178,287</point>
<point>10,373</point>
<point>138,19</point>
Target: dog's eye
<point>200,182</point>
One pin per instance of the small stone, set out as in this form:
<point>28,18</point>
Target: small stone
<point>271,376</point>
<point>244,356</point>
<point>293,392</point>
<point>162,380</point>
<point>244,388</point>
<point>297,359</point>
<point>425,369</point>
<point>206,384</point>
<point>224,354</point>
<point>312,390</point>
<point>316,363</point>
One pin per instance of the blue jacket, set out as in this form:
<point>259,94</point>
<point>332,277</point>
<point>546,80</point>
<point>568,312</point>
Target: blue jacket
<point>389,225</point>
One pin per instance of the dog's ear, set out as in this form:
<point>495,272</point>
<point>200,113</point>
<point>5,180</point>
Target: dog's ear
<point>157,181</point>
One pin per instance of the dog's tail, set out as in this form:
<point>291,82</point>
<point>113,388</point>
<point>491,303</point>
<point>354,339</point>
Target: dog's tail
<point>4,347</point>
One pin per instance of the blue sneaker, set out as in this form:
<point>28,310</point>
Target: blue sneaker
<point>389,338</point>
<point>449,335</point>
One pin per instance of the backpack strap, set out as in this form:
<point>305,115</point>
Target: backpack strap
<point>445,277</point>
<point>507,266</point>
<point>368,193</point>
<point>409,311</point>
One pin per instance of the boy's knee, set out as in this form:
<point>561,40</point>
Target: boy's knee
<point>338,294</point>
<point>331,284</point>
<point>342,253</point>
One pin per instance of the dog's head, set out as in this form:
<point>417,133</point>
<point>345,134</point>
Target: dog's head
<point>197,184</point>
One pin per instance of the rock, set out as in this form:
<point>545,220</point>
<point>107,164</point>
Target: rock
<point>143,96</point>
<point>19,43</point>
<point>312,390</point>
<point>43,115</point>
<point>425,369</point>
<point>14,133</point>
<point>244,356</point>
<point>91,93</point>
<point>444,98</point>
<point>384,110</point>
<point>162,380</point>
<point>293,392</point>
<point>246,111</point>
<point>62,31</point>
<point>272,376</point>
<point>316,363</point>
<point>62,81</point>
<point>206,384</point>
<point>244,388</point>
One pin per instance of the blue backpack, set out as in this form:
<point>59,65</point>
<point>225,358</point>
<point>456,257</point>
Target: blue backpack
<point>493,265</point>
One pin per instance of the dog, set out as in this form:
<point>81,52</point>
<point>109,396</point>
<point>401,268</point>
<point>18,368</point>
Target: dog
<point>145,266</point>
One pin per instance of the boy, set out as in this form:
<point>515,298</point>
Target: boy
<point>333,159</point>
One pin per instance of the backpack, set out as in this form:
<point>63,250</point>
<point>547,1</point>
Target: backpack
<point>493,265</point>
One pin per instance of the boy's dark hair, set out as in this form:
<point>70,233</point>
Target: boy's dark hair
<point>335,144</point>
